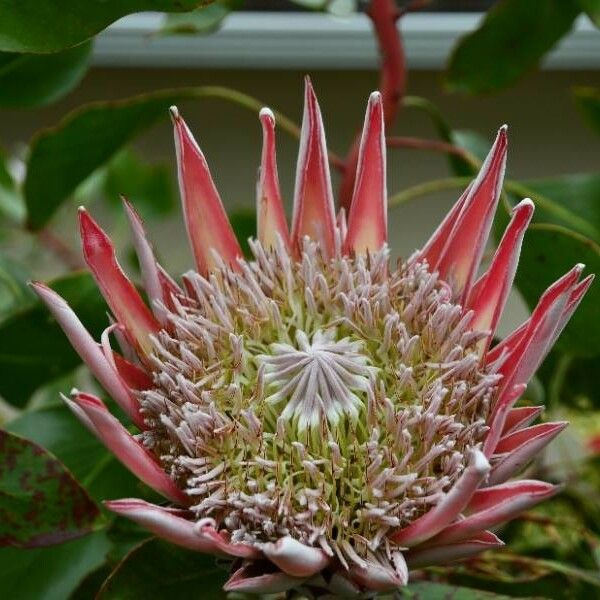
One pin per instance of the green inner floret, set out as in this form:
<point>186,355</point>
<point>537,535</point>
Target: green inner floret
<point>329,400</point>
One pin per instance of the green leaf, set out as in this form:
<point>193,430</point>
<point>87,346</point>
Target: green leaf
<point>56,429</point>
<point>201,21</point>
<point>592,9</point>
<point>540,586</point>
<point>548,252</point>
<point>53,25</point>
<point>149,187</point>
<point>439,591</point>
<point>33,348</point>
<point>61,158</point>
<point>577,195</point>
<point>477,144</point>
<point>41,503</point>
<point>465,139</point>
<point>11,202</point>
<point>565,231</point>
<point>88,588</point>
<point>579,384</point>
<point>588,100</point>
<point>587,576</point>
<point>29,80</point>
<point>14,293</point>
<point>243,222</point>
<point>155,570</point>
<point>50,573</point>
<point>312,4</point>
<point>511,40</point>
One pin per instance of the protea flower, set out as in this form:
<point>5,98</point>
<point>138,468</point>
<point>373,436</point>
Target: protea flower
<point>325,418</point>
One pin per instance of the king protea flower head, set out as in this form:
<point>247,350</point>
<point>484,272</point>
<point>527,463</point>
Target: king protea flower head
<point>327,419</point>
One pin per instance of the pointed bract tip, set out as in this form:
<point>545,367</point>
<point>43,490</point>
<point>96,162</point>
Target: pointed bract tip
<point>310,96</point>
<point>84,399</point>
<point>579,267</point>
<point>174,112</point>
<point>85,220</point>
<point>131,211</point>
<point>501,141</point>
<point>47,295</point>
<point>94,238</point>
<point>502,135</point>
<point>375,97</point>
<point>479,462</point>
<point>266,113</point>
<point>122,503</point>
<point>526,202</point>
<point>129,208</point>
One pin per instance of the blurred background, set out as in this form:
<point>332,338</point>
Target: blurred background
<point>266,54</point>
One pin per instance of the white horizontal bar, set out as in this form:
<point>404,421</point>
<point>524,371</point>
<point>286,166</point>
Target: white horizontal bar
<point>311,40</point>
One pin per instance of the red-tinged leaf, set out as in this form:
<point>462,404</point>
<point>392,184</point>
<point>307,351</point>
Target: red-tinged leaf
<point>41,503</point>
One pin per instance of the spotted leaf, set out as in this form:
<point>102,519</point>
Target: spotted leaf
<point>41,503</point>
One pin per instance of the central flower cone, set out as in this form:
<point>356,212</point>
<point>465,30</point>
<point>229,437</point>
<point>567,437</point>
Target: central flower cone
<point>331,400</point>
<point>325,418</point>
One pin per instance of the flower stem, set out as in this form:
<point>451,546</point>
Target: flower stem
<point>254,104</point>
<point>429,187</point>
<point>432,145</point>
<point>61,250</point>
<point>558,380</point>
<point>552,207</point>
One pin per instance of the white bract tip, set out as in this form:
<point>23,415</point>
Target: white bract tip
<point>265,111</point>
<point>526,202</point>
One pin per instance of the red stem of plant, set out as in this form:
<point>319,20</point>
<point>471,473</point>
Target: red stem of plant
<point>392,81</point>
<point>60,249</point>
<point>422,144</point>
